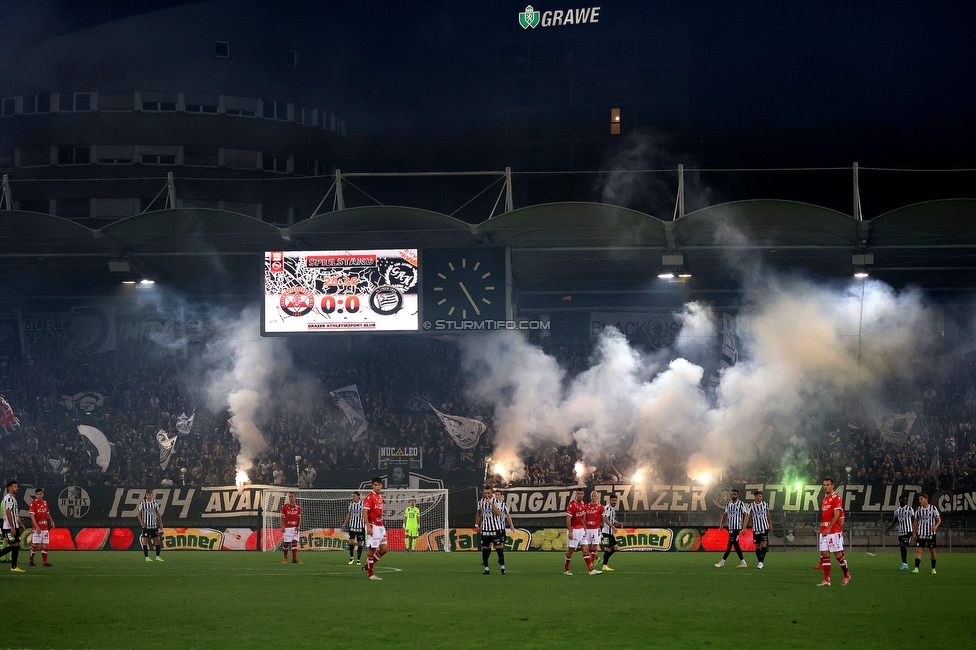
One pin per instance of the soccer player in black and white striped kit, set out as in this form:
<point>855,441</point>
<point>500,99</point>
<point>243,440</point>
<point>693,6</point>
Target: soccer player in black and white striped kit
<point>151,524</point>
<point>488,521</point>
<point>356,530</point>
<point>927,522</point>
<point>609,531</point>
<point>735,510</point>
<point>759,514</point>
<point>905,518</point>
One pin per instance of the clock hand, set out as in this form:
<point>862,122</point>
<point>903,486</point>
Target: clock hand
<point>470,299</point>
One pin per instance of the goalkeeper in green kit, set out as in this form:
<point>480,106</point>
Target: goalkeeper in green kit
<point>411,525</point>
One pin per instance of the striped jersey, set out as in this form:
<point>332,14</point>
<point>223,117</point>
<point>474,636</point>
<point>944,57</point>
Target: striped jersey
<point>150,513</point>
<point>611,514</point>
<point>356,516</point>
<point>490,522</point>
<point>10,505</point>
<point>734,511</point>
<point>906,520</point>
<point>759,515</point>
<point>502,511</point>
<point>926,521</point>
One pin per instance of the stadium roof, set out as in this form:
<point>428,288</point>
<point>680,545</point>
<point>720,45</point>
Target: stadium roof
<point>556,247</point>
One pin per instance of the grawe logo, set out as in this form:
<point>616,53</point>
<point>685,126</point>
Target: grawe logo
<point>532,18</point>
<point>529,18</point>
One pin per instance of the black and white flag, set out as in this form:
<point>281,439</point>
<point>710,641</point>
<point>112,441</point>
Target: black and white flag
<point>166,446</point>
<point>97,446</point>
<point>184,423</point>
<point>465,431</point>
<point>347,399</point>
<point>54,464</point>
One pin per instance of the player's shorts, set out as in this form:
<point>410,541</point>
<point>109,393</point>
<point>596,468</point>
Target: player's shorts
<point>358,535</point>
<point>905,540</point>
<point>759,538</point>
<point>734,536</point>
<point>291,535</point>
<point>412,531</point>
<point>833,542</point>
<point>493,537</point>
<point>40,536</point>
<point>591,536</point>
<point>378,537</point>
<point>609,540</point>
<point>575,538</point>
<point>925,542</point>
<point>12,536</point>
<point>150,532</point>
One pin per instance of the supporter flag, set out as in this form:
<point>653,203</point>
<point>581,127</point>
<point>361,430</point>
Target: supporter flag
<point>86,401</point>
<point>54,464</point>
<point>7,418</point>
<point>166,446</point>
<point>895,427</point>
<point>184,424</point>
<point>97,446</point>
<point>936,465</point>
<point>347,399</point>
<point>465,431</point>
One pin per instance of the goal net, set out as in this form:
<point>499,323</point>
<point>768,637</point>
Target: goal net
<point>323,512</point>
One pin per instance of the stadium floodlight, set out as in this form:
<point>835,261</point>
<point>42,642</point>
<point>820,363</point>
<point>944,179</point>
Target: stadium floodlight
<point>128,281</point>
<point>684,274</point>
<point>665,275</point>
<point>147,282</point>
<point>860,274</point>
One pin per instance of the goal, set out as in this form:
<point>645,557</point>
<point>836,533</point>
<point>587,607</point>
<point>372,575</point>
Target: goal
<point>323,512</point>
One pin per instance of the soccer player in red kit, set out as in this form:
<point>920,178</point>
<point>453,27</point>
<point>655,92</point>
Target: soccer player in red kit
<point>375,530</point>
<point>42,522</point>
<point>831,532</point>
<point>291,521</point>
<point>575,515</point>
<point>592,520</point>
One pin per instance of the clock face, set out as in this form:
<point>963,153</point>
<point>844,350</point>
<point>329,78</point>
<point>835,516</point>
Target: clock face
<point>464,284</point>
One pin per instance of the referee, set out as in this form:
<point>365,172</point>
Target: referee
<point>905,518</point>
<point>488,521</point>
<point>150,522</point>
<point>735,510</point>
<point>759,513</point>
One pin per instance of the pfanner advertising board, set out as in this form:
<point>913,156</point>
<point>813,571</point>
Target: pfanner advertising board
<point>340,291</point>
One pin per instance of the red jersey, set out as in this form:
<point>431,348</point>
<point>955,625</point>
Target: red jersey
<point>827,508</point>
<point>38,508</point>
<point>373,504</point>
<point>593,515</point>
<point>291,514</point>
<point>575,510</point>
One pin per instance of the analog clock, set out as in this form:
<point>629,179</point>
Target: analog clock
<point>464,284</point>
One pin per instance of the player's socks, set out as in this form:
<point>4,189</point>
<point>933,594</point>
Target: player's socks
<point>13,556</point>
<point>378,555</point>
<point>44,557</point>
<point>918,561</point>
<point>904,555</point>
<point>485,554</point>
<point>370,561</point>
<point>145,551</point>
<point>284,547</point>
<point>843,564</point>
<point>589,561</point>
<point>32,552</point>
<point>568,558</point>
<point>501,558</point>
<point>826,569</point>
<point>359,553</point>
<point>351,547</point>
<point>606,557</point>
<point>933,564</point>
<point>158,549</point>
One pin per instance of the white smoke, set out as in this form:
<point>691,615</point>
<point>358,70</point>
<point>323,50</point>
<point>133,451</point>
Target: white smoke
<point>806,351</point>
<point>248,375</point>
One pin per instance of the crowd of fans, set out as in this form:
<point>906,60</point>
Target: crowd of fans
<point>130,395</point>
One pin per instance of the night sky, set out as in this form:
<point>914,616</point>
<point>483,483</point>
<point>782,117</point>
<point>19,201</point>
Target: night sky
<point>771,83</point>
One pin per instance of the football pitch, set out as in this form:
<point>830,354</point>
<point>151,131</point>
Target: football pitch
<point>441,600</point>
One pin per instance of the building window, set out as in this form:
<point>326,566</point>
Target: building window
<point>275,110</point>
<point>65,102</point>
<point>243,106</point>
<point>158,159</point>
<point>9,105</point>
<point>74,155</point>
<point>159,106</point>
<point>44,103</point>
<point>73,208</point>
<point>201,108</point>
<point>200,156</point>
<point>275,163</point>
<point>82,101</point>
<point>115,154</point>
<point>222,49</point>
<point>291,59</point>
<point>308,115</point>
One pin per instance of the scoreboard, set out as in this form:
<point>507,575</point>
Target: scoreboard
<point>321,291</point>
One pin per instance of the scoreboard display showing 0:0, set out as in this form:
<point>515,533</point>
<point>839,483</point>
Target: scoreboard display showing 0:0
<point>349,304</point>
<point>341,291</point>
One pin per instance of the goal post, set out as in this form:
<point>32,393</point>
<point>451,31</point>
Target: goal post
<point>323,512</point>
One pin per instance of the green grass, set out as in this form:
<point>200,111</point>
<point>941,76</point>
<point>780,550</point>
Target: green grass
<point>440,600</point>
